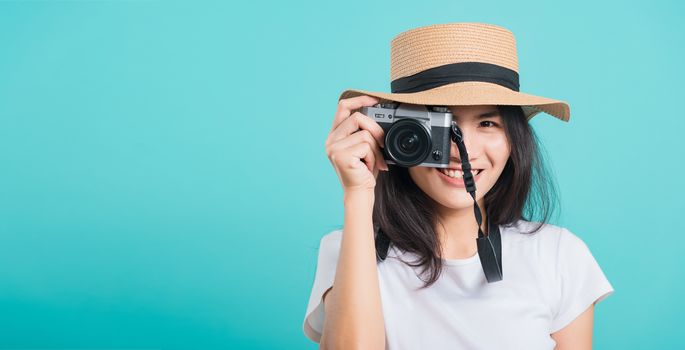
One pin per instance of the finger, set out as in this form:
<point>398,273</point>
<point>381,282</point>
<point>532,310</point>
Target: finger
<point>360,137</point>
<point>378,154</point>
<point>355,122</point>
<point>346,106</point>
<point>364,151</point>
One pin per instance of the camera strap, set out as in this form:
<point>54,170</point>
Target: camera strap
<point>490,245</point>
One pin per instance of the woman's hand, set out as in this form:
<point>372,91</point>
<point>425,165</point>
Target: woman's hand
<point>353,137</point>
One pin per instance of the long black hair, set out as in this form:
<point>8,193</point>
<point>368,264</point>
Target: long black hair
<point>403,215</point>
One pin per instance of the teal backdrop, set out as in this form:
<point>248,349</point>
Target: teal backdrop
<point>164,184</point>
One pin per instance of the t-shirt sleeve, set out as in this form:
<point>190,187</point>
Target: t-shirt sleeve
<point>580,281</point>
<point>329,249</point>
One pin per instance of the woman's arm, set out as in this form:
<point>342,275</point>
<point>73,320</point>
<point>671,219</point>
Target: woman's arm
<point>578,333</point>
<point>354,316</point>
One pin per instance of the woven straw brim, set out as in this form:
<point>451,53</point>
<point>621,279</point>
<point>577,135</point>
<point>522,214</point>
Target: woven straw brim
<point>473,93</point>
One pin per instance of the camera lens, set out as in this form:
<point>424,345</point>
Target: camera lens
<point>408,142</point>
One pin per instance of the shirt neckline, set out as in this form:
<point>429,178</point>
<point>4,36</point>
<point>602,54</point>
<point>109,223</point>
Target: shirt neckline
<point>466,261</point>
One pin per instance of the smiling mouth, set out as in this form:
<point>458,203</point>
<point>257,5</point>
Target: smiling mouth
<point>458,174</point>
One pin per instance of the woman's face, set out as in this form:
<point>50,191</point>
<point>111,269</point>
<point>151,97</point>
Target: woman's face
<point>488,149</point>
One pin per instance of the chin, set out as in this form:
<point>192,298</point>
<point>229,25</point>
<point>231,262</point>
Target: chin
<point>457,201</point>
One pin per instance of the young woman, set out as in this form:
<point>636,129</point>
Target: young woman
<point>425,288</point>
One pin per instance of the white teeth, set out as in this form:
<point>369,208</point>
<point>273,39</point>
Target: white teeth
<point>457,174</point>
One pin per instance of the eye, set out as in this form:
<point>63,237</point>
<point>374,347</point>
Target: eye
<point>489,121</point>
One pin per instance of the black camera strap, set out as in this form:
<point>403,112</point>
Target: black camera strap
<point>490,245</point>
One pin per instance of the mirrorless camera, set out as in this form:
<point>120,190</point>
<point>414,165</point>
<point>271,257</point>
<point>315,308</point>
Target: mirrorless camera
<point>415,135</point>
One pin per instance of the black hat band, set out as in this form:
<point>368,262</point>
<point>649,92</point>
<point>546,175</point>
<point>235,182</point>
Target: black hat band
<point>454,73</point>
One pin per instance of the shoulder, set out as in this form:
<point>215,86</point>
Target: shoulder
<point>533,231</point>
<point>551,243</point>
<point>546,234</point>
<point>329,245</point>
<point>332,238</point>
<point>558,249</point>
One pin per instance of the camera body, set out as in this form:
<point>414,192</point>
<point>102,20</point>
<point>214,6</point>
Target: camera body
<point>415,135</point>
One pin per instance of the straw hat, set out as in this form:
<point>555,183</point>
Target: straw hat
<point>459,64</point>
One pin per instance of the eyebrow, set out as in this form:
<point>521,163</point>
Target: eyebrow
<point>486,115</point>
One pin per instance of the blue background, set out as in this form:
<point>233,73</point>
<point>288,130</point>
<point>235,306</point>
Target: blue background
<point>164,184</point>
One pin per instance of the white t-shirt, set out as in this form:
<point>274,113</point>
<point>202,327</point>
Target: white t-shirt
<point>549,278</point>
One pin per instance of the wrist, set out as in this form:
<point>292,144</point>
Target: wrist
<point>359,197</point>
